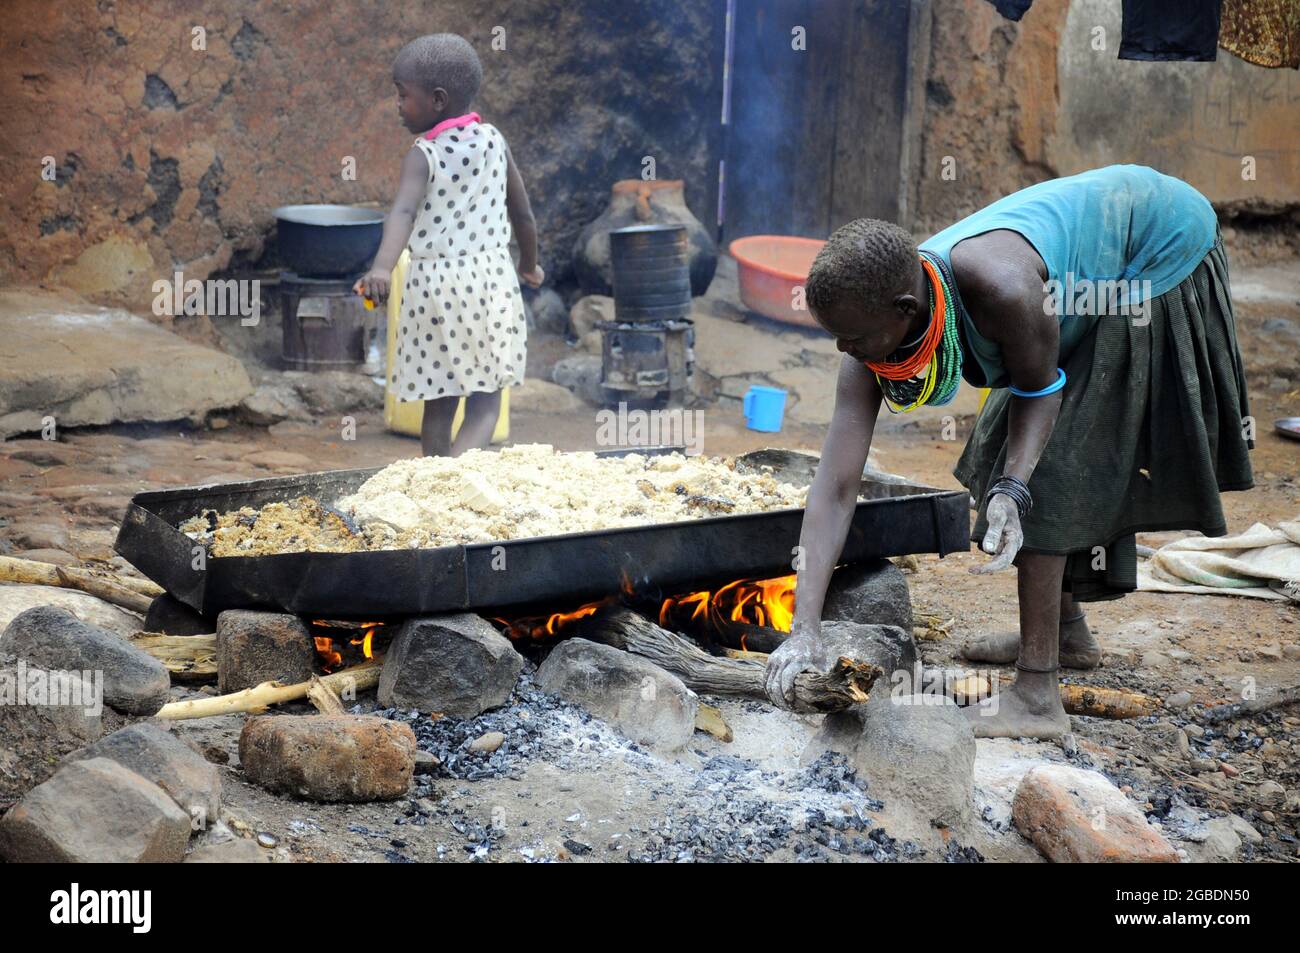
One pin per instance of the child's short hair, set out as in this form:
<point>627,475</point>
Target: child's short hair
<point>442,59</point>
<point>861,263</point>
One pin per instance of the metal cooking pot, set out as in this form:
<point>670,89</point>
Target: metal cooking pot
<point>328,241</point>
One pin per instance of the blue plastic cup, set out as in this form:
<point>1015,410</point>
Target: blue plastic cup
<point>764,408</point>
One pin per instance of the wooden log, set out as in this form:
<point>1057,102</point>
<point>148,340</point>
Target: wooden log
<point>258,698</point>
<point>847,683</point>
<point>323,697</point>
<point>124,591</point>
<point>1106,702</point>
<point>189,658</point>
<point>1279,699</point>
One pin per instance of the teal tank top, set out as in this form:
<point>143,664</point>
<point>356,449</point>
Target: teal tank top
<point>1124,223</point>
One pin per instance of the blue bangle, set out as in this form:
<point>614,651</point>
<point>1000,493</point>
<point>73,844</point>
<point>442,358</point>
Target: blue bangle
<point>1051,388</point>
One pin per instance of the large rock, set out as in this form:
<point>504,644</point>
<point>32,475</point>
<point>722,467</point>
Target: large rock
<point>61,357</point>
<point>133,681</point>
<point>329,757</point>
<point>644,702</point>
<point>917,753</point>
<point>95,811</point>
<point>890,647</point>
<point>1078,816</point>
<point>456,664</point>
<point>874,591</point>
<point>157,755</point>
<point>256,647</point>
<point>18,598</point>
<point>37,731</point>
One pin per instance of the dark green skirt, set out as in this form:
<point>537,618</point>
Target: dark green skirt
<point>1152,428</point>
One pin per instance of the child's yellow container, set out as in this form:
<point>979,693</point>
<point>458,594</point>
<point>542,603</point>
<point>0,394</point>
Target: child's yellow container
<point>405,416</point>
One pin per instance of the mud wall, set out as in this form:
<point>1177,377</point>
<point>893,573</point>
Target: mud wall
<point>1009,104</point>
<point>169,156</point>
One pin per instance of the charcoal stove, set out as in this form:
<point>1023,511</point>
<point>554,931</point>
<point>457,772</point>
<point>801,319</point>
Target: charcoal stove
<point>647,351</point>
<point>324,323</point>
<point>897,520</point>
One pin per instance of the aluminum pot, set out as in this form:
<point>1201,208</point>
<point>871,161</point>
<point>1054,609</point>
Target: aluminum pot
<point>328,241</point>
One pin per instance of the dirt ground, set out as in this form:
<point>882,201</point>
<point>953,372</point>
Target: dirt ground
<point>61,501</point>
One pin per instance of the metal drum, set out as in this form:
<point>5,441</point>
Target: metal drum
<point>652,272</point>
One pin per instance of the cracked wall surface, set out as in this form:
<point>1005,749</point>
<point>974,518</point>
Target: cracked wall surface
<point>169,157</point>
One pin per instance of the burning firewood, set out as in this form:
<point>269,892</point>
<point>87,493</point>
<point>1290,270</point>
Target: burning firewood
<point>847,683</point>
<point>324,698</point>
<point>125,591</point>
<point>259,698</point>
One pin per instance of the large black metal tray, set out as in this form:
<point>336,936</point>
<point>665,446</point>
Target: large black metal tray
<point>506,573</point>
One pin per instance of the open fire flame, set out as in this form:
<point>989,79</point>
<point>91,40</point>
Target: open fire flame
<point>760,602</point>
<point>327,646</point>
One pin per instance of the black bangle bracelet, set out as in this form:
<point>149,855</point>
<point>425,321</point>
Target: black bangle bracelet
<point>1015,488</point>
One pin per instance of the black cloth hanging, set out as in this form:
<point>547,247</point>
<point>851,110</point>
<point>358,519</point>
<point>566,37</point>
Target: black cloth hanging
<point>1170,30</point>
<point>1012,9</point>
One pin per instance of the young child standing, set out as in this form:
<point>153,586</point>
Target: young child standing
<point>462,332</point>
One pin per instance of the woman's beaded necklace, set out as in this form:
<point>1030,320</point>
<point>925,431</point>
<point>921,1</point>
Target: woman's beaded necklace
<point>932,374</point>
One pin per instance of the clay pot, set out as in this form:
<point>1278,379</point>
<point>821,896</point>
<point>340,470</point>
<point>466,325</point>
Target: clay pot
<point>638,202</point>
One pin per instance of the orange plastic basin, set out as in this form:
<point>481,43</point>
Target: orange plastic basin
<point>770,267</point>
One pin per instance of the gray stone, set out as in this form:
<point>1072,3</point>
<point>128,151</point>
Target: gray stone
<point>873,591</point>
<point>256,647</point>
<point>581,374</point>
<point>455,664</point>
<point>36,734</point>
<point>1178,700</point>
<point>15,599</point>
<point>157,755</point>
<point>640,699</point>
<point>890,647</point>
<point>547,310</point>
<point>917,753</point>
<point>272,403</point>
<point>238,850</point>
<point>1217,842</point>
<point>134,681</point>
<point>331,393</point>
<point>95,811</point>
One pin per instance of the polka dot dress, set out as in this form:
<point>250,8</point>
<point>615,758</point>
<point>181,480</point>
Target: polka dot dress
<point>462,329</point>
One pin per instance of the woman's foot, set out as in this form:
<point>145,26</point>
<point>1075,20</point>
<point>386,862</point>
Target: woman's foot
<point>1078,646</point>
<point>1029,708</point>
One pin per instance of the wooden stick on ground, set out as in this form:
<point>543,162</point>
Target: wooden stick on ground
<point>256,700</point>
<point>1279,699</point>
<point>189,658</point>
<point>324,698</point>
<point>124,591</point>
<point>847,683</point>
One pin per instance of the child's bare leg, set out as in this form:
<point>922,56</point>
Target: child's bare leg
<point>1079,648</point>
<point>481,412</point>
<point>435,428</point>
<point>1031,707</point>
